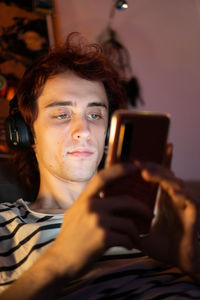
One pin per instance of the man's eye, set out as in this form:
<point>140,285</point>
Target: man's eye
<point>95,116</point>
<point>63,117</point>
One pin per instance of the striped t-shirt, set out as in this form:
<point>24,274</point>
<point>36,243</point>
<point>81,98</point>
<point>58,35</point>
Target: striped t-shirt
<point>119,274</point>
<point>24,234</point>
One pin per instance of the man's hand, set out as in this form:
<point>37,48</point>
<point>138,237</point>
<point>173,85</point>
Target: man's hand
<point>97,220</point>
<point>175,229</point>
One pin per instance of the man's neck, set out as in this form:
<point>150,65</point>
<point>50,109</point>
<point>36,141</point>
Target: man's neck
<point>56,195</point>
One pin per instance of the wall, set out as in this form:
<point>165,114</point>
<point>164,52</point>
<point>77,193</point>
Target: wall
<point>163,38</point>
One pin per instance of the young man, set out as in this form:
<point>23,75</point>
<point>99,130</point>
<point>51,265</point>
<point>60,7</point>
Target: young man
<point>66,99</point>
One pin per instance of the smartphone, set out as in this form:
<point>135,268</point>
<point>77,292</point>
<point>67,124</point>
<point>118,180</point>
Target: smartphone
<point>141,136</point>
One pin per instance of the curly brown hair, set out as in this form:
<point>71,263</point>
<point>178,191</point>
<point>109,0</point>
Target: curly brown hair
<point>88,62</point>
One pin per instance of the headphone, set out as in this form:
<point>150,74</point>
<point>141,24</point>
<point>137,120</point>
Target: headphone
<point>18,133</point>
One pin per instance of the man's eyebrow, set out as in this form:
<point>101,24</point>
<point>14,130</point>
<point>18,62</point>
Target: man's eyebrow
<point>59,103</point>
<point>70,103</point>
<point>91,104</point>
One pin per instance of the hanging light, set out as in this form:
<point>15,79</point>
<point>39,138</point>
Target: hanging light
<point>121,4</point>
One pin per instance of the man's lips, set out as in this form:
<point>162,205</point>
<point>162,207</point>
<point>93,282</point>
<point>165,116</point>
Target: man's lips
<point>80,153</point>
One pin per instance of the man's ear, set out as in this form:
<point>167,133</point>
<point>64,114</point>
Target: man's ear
<point>168,155</point>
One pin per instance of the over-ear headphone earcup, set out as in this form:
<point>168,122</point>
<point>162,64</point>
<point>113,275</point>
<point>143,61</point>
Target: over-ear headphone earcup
<point>18,134</point>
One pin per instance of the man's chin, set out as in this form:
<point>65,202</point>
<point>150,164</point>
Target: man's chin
<point>80,177</point>
<point>81,174</point>
<point>80,170</point>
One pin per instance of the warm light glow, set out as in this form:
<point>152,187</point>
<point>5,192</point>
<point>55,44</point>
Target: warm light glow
<point>120,140</point>
<point>10,93</point>
<point>111,140</point>
<point>112,129</point>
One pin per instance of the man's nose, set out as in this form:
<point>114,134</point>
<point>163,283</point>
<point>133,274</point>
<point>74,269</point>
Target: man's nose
<point>80,129</point>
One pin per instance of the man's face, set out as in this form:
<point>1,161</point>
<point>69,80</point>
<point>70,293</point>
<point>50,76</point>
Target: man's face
<point>71,127</point>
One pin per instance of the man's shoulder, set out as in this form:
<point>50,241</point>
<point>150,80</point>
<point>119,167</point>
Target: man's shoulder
<point>8,206</point>
<point>10,210</point>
